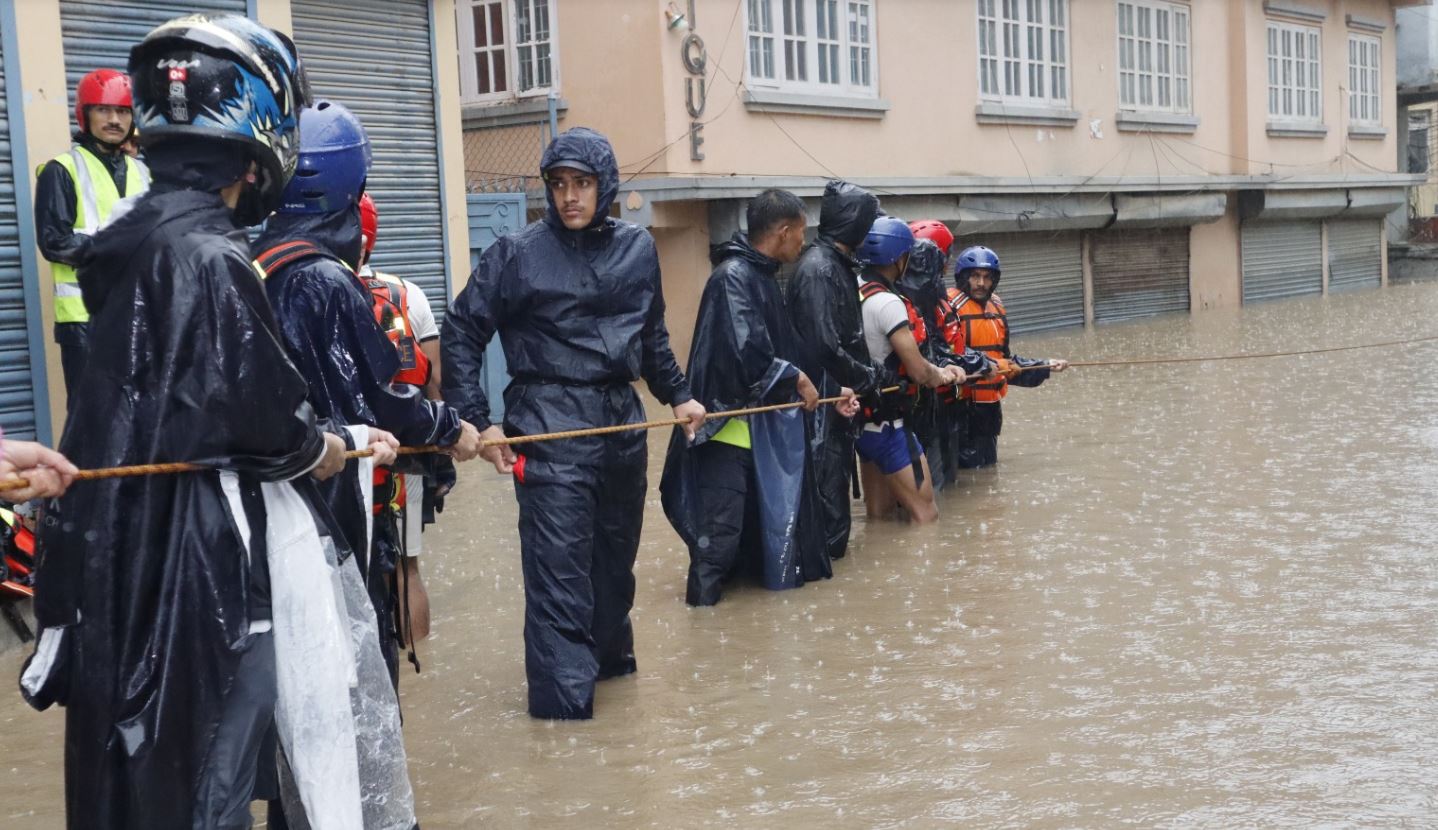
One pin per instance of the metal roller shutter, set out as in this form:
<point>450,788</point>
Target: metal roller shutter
<point>17,389</point>
<point>1282,259</point>
<point>1139,273</point>
<point>99,33</point>
<point>1355,254</point>
<point>1042,282</point>
<point>373,56</point>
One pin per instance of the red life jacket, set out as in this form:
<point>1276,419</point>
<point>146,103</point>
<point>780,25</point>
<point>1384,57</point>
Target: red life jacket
<point>17,561</point>
<point>895,405</point>
<point>984,328</point>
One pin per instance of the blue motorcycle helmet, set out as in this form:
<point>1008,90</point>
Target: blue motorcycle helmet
<point>889,238</point>
<point>223,78</point>
<point>976,256</point>
<point>333,164</point>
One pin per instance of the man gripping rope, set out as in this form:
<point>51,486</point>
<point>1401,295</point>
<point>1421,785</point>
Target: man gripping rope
<point>577,302</point>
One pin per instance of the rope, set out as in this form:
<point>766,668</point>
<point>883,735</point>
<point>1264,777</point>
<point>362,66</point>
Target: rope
<point>1205,359</point>
<point>186,467</point>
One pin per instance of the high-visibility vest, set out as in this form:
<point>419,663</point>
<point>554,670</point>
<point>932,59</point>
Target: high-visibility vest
<point>983,327</point>
<point>95,198</point>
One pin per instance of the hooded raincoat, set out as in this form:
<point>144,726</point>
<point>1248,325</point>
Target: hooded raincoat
<point>580,314</point>
<point>328,326</point>
<point>823,301</point>
<point>742,356</point>
<point>146,590</point>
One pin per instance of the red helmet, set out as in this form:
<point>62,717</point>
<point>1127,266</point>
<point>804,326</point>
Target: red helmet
<point>369,223</point>
<point>934,231</point>
<point>103,87</point>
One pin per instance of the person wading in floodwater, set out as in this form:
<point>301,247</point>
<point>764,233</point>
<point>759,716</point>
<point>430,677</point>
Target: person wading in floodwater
<point>741,493</point>
<point>577,302</point>
<point>980,323</point>
<point>894,469</point>
<point>824,307</point>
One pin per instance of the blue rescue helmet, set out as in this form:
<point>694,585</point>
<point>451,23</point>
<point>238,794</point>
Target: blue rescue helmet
<point>889,238</point>
<point>976,256</point>
<point>334,161</point>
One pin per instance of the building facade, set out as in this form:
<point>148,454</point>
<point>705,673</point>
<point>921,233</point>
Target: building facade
<point>1124,157</point>
<point>394,62</point>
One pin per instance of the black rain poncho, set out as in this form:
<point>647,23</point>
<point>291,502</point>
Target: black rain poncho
<point>148,576</point>
<point>823,302</point>
<point>742,356</point>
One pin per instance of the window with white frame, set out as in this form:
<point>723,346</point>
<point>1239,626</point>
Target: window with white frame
<point>1023,51</point>
<point>812,46</point>
<point>506,49</point>
<point>1363,88</point>
<point>1153,50</point>
<point>1294,73</point>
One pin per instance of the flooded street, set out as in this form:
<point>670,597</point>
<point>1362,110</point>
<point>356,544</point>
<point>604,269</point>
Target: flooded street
<point>1198,595</point>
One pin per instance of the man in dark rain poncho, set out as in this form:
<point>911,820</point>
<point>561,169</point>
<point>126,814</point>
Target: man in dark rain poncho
<point>309,251</point>
<point>936,419</point>
<point>823,302</point>
<point>577,302</point>
<point>743,488</point>
<point>153,593</point>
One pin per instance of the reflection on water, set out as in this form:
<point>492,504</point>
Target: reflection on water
<point>1191,596</point>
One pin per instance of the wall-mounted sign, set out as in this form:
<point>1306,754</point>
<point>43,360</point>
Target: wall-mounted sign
<point>696,92</point>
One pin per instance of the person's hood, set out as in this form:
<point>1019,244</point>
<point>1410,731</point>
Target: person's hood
<point>738,247</point>
<point>117,243</point>
<point>926,270</point>
<point>846,213</point>
<point>338,232</point>
<point>590,151</point>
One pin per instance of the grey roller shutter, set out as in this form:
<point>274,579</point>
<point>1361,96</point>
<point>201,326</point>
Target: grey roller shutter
<point>17,388</point>
<point>1042,282</point>
<point>1139,273</point>
<point>1355,254</point>
<point>373,56</point>
<point>1281,259</point>
<point>98,34</point>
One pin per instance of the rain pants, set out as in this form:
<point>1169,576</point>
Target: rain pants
<point>580,315</point>
<point>936,419</point>
<point>730,503</point>
<point>328,326</point>
<point>147,594</point>
<point>823,302</point>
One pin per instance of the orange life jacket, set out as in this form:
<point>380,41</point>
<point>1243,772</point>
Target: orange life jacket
<point>895,405</point>
<point>390,300</point>
<point>983,328</point>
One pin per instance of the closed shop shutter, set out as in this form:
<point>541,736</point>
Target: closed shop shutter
<point>1282,259</point>
<point>1355,254</point>
<point>1139,273</point>
<point>373,56</point>
<point>1042,282</point>
<point>99,33</point>
<point>17,389</point>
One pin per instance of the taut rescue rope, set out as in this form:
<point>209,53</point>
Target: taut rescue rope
<point>186,467</point>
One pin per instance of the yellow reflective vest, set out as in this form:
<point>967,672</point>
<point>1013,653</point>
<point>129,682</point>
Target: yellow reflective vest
<point>95,198</point>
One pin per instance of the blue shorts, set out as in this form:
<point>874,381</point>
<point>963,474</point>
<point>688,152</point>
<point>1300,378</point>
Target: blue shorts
<point>887,448</point>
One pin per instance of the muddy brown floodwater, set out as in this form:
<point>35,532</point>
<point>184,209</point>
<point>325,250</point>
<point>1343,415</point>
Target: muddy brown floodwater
<point>1201,595</point>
